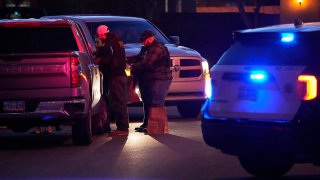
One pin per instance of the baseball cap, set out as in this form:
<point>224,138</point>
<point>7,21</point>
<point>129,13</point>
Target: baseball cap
<point>102,29</point>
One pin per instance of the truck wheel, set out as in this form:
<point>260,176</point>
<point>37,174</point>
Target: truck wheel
<point>266,166</point>
<point>189,110</point>
<point>81,130</point>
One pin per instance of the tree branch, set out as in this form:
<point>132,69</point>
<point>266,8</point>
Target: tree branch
<point>257,12</point>
<point>242,12</point>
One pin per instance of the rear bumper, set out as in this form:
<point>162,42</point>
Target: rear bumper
<point>234,136</point>
<point>298,137</point>
<point>47,111</point>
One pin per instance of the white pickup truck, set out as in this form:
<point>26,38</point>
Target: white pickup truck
<point>190,70</point>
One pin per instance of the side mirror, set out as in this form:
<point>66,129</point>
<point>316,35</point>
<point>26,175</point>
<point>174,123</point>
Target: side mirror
<point>175,39</point>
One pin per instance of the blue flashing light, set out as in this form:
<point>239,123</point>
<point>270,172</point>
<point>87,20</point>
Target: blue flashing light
<point>287,37</point>
<point>258,76</point>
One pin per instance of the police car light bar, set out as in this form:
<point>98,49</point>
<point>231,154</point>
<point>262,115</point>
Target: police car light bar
<point>287,37</point>
<point>258,76</point>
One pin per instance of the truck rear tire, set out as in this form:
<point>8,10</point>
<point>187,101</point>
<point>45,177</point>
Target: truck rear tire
<point>81,130</point>
<point>189,110</point>
<point>266,166</point>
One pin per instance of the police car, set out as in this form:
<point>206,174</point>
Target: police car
<point>264,105</point>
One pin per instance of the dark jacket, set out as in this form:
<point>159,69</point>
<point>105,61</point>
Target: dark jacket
<point>155,63</point>
<point>137,74</point>
<point>113,56</point>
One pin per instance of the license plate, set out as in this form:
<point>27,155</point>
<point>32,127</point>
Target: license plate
<point>246,93</point>
<point>14,106</point>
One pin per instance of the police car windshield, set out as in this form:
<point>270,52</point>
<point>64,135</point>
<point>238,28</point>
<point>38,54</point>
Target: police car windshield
<point>128,31</point>
<point>262,49</point>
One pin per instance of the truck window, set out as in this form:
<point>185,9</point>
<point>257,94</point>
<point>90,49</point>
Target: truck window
<point>259,49</point>
<point>37,40</point>
<point>128,31</point>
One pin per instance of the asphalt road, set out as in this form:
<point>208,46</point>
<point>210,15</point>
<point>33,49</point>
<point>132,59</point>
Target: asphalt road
<point>181,154</point>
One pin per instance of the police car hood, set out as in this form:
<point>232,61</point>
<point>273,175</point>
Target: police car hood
<point>174,50</point>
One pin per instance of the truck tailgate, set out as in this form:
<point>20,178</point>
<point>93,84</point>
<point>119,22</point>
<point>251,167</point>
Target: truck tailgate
<point>40,71</point>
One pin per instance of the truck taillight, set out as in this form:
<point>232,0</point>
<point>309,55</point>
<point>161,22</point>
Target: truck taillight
<point>307,87</point>
<point>75,75</point>
<point>20,24</point>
